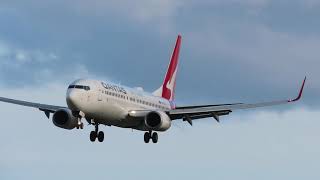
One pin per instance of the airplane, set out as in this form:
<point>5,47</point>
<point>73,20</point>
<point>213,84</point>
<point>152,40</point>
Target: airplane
<point>110,104</point>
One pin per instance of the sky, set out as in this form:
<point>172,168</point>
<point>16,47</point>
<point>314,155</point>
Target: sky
<point>232,51</point>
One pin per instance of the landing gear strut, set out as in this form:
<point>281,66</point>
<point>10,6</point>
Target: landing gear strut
<point>149,135</point>
<point>96,134</point>
<point>79,116</point>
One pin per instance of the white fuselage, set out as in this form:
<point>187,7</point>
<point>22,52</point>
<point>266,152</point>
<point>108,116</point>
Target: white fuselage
<point>109,104</point>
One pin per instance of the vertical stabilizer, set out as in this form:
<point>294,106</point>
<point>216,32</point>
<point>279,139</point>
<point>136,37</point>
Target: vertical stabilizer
<point>167,88</point>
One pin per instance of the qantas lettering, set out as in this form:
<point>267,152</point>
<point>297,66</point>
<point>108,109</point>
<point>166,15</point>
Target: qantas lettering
<point>114,88</point>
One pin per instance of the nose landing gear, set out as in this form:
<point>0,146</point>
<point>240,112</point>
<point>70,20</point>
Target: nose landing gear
<point>149,135</point>
<point>96,134</point>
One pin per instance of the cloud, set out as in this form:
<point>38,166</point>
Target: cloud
<point>233,48</point>
<point>260,47</point>
<point>4,50</point>
<point>47,74</point>
<point>10,55</point>
<point>246,142</point>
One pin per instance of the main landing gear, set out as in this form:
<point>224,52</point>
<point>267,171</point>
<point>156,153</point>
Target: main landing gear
<point>149,135</point>
<point>96,134</point>
<point>80,125</point>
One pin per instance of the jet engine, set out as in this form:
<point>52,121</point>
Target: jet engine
<point>63,118</point>
<point>157,121</point>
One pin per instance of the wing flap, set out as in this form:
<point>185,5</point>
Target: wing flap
<point>198,112</point>
<point>224,108</point>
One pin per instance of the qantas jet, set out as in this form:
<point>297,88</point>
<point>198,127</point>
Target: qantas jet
<point>106,103</point>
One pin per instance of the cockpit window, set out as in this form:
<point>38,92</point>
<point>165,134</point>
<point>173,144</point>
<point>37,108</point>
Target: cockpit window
<point>87,88</point>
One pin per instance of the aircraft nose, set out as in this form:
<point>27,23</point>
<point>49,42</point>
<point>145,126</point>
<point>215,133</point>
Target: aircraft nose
<point>73,100</point>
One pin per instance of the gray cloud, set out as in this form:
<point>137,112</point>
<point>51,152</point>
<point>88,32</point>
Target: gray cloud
<point>15,56</point>
<point>247,143</point>
<point>236,44</point>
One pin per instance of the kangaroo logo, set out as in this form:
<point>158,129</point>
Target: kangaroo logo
<point>168,89</point>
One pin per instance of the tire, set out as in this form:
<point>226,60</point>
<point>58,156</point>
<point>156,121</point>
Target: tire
<point>146,137</point>
<point>154,137</point>
<point>100,136</point>
<point>93,136</point>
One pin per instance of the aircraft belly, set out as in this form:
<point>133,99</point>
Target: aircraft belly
<point>110,112</point>
<point>104,113</point>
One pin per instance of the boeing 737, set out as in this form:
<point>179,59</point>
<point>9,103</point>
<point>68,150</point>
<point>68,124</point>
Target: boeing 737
<point>110,104</point>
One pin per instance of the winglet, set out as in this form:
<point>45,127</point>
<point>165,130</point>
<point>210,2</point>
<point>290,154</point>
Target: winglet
<point>300,93</point>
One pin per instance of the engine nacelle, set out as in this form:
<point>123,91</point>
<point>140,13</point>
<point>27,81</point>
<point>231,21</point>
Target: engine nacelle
<point>63,118</point>
<point>157,121</point>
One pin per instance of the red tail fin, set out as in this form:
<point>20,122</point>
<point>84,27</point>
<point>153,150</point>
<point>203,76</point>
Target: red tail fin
<point>168,87</point>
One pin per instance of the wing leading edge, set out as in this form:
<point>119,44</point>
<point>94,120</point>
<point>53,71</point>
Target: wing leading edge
<point>189,113</point>
<point>42,107</point>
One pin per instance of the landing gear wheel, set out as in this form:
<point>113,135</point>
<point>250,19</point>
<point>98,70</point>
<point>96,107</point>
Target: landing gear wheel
<point>146,137</point>
<point>80,126</point>
<point>100,136</point>
<point>93,136</point>
<point>154,137</point>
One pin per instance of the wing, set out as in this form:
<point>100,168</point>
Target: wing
<point>42,107</point>
<point>189,113</point>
